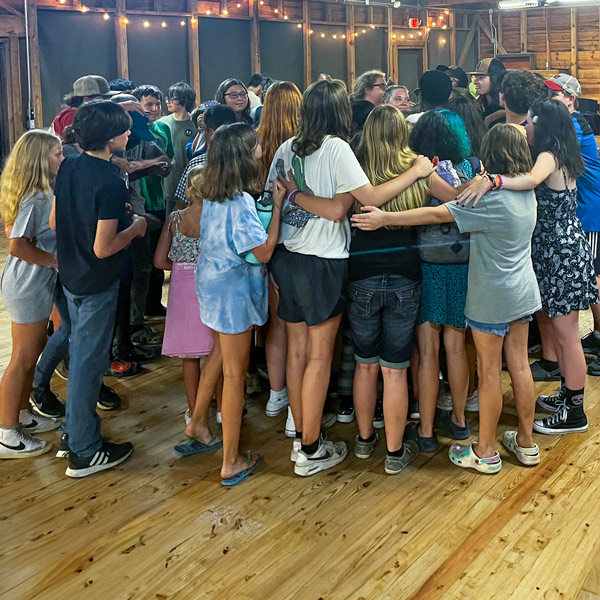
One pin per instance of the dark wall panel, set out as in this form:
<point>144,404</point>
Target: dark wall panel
<point>157,55</point>
<point>370,51</point>
<point>224,53</point>
<point>328,54</point>
<point>471,59</point>
<point>438,51</point>
<point>73,44</point>
<point>281,52</point>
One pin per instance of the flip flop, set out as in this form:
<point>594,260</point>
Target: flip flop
<point>238,477</point>
<point>197,447</point>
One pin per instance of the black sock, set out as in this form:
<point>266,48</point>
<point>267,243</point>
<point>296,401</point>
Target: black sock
<point>298,434</point>
<point>397,453</point>
<point>369,440</point>
<point>563,382</point>
<point>311,448</point>
<point>574,397</point>
<point>548,365</point>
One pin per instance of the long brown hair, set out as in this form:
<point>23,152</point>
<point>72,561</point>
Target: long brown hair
<point>325,110</point>
<point>231,168</point>
<point>384,154</point>
<point>504,150</point>
<point>278,120</point>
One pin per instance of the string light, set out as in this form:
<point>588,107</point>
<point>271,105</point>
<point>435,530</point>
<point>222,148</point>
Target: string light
<point>394,36</point>
<point>285,17</point>
<point>447,11</point>
<point>322,35</point>
<point>163,24</point>
<point>146,24</point>
<point>225,12</point>
<point>62,1</point>
<point>182,23</point>
<point>444,27</point>
<point>106,16</point>
<point>125,21</point>
<point>372,26</point>
<point>420,33</point>
<point>276,11</point>
<point>443,41</point>
<point>402,37</point>
<point>411,36</point>
<point>343,36</point>
<point>364,31</point>
<point>334,36</point>
<point>194,20</point>
<point>310,32</point>
<point>208,12</point>
<point>84,9</point>
<point>299,25</point>
<point>239,5</point>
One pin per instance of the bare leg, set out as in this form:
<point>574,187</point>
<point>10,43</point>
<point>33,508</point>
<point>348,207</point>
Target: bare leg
<point>395,406</point>
<point>236,356</point>
<point>458,372</point>
<point>321,343</point>
<point>191,376</point>
<point>209,377</point>
<point>297,352</point>
<point>595,308</point>
<point>28,341</point>
<point>489,361</point>
<point>365,397</point>
<point>549,351</point>
<point>570,352</point>
<point>276,344</point>
<point>428,337</point>
<point>414,370</point>
<point>517,361</point>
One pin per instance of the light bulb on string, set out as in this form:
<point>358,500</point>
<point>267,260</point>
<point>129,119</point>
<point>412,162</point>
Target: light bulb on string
<point>299,25</point>
<point>146,24</point>
<point>106,16</point>
<point>225,12</point>
<point>182,23</point>
<point>163,24</point>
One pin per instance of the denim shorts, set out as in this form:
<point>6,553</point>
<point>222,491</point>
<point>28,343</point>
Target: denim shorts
<point>500,329</point>
<point>382,313</point>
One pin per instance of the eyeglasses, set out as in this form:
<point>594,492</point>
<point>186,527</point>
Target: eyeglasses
<point>171,100</point>
<point>236,95</point>
<point>383,86</point>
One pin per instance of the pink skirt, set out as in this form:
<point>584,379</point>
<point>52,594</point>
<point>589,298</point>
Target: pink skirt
<point>185,334</point>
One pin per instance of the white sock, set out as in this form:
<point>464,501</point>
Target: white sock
<point>277,394</point>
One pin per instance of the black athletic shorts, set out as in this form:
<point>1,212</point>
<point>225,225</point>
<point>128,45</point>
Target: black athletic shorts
<point>311,289</point>
<point>593,238</point>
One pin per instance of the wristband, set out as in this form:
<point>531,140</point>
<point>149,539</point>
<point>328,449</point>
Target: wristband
<point>292,196</point>
<point>53,263</point>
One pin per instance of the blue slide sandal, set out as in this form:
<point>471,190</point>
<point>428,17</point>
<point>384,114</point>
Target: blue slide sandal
<point>197,447</point>
<point>229,481</point>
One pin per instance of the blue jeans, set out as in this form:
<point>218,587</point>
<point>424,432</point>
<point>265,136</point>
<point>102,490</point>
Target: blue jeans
<point>57,347</point>
<point>382,313</point>
<point>92,323</point>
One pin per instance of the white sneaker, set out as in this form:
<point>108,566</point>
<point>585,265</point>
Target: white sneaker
<point>16,443</point>
<point>328,420</point>
<point>187,417</point>
<point>444,401</point>
<point>252,384</point>
<point>277,403</point>
<point>296,447</point>
<point>290,427</point>
<point>219,419</point>
<point>473,402</point>
<point>34,423</point>
<point>327,455</point>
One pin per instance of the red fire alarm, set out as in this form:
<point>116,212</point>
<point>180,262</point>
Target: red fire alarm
<point>414,23</point>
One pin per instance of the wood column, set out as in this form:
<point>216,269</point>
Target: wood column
<point>34,62</point>
<point>389,41</point>
<point>121,35</point>
<point>194,48</point>
<point>350,48</point>
<point>15,101</point>
<point>254,37</point>
<point>523,31</point>
<point>306,43</point>
<point>574,43</point>
<point>452,26</point>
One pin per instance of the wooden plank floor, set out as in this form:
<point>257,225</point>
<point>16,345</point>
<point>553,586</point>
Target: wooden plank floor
<point>161,527</point>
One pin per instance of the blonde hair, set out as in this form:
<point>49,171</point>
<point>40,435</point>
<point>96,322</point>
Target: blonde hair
<point>193,190</point>
<point>26,172</point>
<point>384,154</point>
<point>278,121</point>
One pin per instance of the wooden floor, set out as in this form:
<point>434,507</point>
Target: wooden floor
<point>162,527</point>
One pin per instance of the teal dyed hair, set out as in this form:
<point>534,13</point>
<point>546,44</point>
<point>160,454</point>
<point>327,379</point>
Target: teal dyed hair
<point>457,125</point>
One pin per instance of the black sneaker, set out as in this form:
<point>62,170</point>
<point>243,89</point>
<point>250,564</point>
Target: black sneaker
<point>109,455</point>
<point>553,402</point>
<point>539,373</point>
<point>594,367</point>
<point>567,419</point>
<point>108,399</point>
<point>591,343</point>
<point>63,451</point>
<point>378,419</point>
<point>345,412</point>
<point>46,403</point>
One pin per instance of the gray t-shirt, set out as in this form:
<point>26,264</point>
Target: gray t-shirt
<point>28,290</point>
<point>502,283</point>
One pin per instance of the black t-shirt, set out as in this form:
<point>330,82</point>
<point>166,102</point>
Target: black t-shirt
<point>384,251</point>
<point>87,190</point>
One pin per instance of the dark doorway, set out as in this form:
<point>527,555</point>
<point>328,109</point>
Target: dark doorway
<point>409,68</point>
<point>4,104</point>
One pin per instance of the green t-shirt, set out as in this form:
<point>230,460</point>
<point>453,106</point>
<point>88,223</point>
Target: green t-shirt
<point>151,188</point>
<point>182,132</point>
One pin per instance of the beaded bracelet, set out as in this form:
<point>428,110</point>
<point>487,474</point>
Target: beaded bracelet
<point>292,196</point>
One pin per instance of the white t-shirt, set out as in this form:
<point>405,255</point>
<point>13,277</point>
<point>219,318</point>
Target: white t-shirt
<point>414,117</point>
<point>332,169</point>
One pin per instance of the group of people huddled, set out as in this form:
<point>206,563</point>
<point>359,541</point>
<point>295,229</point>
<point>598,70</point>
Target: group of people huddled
<point>362,233</point>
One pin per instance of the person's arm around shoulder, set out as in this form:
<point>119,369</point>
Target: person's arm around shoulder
<point>372,218</point>
<point>264,252</point>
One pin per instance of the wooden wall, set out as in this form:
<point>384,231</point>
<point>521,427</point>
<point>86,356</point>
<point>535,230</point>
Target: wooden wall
<point>561,39</point>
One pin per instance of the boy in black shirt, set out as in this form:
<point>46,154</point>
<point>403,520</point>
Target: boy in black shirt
<point>92,229</point>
